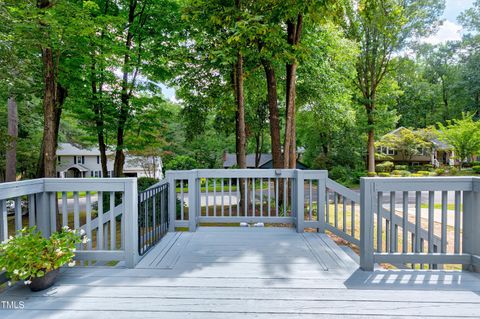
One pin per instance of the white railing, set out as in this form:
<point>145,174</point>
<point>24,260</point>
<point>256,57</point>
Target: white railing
<point>106,209</point>
<point>252,196</point>
<point>435,221</point>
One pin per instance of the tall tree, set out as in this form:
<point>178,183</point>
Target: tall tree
<point>383,27</point>
<point>11,160</point>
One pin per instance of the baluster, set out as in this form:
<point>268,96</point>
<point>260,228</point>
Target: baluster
<point>181,200</point>
<point>3,220</point>
<point>238,196</point>
<point>261,197</point>
<point>443,244</point>
<point>100,221</point>
<point>327,205</point>
<point>344,214</point>
<point>207,210</point>
<point>310,201</point>
<point>352,207</point>
<point>393,240</point>
<point>31,210</point>
<point>223,203</point>
<point>253,197</point>
<point>276,197</point>
<point>64,209</point>
<point>285,201</point>
<point>88,221</point>
<point>379,221</point>
<point>335,208</point>
<point>53,212</point>
<point>229,197</point>
<point>458,196</point>
<point>269,196</point>
<point>18,213</point>
<point>431,207</point>
<point>245,200</point>
<point>418,215</point>
<point>113,224</point>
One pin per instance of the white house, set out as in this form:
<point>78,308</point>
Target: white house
<point>76,162</point>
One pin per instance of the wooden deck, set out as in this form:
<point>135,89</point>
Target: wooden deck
<point>249,273</point>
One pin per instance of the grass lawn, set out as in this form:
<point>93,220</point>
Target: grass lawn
<point>70,194</point>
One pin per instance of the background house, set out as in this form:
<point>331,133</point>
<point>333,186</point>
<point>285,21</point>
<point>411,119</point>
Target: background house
<point>265,161</point>
<point>438,153</point>
<point>73,161</point>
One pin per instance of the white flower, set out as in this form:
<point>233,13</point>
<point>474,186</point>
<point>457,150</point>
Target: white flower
<point>27,282</point>
<point>85,240</point>
<point>74,249</point>
<point>65,227</point>
<point>16,272</point>
<point>3,269</point>
<point>82,232</point>
<point>71,264</point>
<point>58,250</point>
<point>10,238</point>
<point>9,284</point>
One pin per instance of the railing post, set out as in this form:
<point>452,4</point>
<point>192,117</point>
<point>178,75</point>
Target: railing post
<point>43,213</point>
<point>299,200</point>
<point>321,202</point>
<point>130,209</point>
<point>471,224</point>
<point>192,201</point>
<point>367,207</point>
<point>172,200</point>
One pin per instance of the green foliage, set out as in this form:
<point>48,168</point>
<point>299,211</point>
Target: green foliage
<point>180,162</point>
<point>383,174</point>
<point>29,255</point>
<point>145,182</point>
<point>476,169</point>
<point>401,167</point>
<point>384,167</point>
<point>463,135</point>
<point>440,171</point>
<point>423,173</point>
<point>406,142</point>
<point>371,174</point>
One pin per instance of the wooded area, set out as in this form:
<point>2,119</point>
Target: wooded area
<point>315,80</point>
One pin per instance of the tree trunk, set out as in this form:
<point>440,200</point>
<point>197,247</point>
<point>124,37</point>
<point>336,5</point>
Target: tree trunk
<point>125,97</point>
<point>371,139</point>
<point>294,31</point>
<point>54,96</point>
<point>11,156</point>
<point>273,114</point>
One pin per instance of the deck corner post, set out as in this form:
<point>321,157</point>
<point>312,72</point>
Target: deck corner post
<point>43,213</point>
<point>131,225</point>
<point>192,201</point>
<point>322,190</point>
<point>299,200</point>
<point>471,225</point>
<point>367,207</point>
<point>172,200</point>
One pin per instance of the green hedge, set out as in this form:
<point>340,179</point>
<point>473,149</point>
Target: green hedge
<point>476,169</point>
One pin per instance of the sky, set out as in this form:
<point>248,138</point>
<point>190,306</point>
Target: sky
<point>451,28</point>
<point>449,31</point>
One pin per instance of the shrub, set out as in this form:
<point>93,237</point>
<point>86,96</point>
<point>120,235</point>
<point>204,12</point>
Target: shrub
<point>181,162</point>
<point>416,175</point>
<point>475,163</point>
<point>384,167</point>
<point>396,172</point>
<point>383,174</point>
<point>372,174</point>
<point>453,170</point>
<point>476,169</point>
<point>440,171</point>
<point>424,173</point>
<point>396,175</point>
<point>401,167</point>
<point>405,173</point>
<point>145,182</point>
<point>29,255</point>
<point>339,173</point>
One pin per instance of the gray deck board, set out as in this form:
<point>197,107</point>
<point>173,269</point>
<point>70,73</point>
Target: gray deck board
<point>250,273</point>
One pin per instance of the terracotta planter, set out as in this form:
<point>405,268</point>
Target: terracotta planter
<point>44,282</point>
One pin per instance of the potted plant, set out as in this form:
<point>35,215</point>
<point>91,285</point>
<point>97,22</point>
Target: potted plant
<point>36,260</point>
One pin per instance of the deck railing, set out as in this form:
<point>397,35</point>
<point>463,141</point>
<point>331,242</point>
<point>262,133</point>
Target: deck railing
<point>253,196</point>
<point>440,226</point>
<point>407,222</point>
<point>153,216</point>
<point>106,209</point>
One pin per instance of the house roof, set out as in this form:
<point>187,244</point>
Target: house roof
<point>230,160</point>
<point>80,167</point>
<point>437,143</point>
<point>65,149</point>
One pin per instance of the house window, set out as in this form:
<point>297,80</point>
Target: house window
<point>91,173</point>
<point>99,173</point>
<point>390,151</point>
<point>98,159</point>
<point>83,159</point>
<point>74,160</point>
<point>59,159</point>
